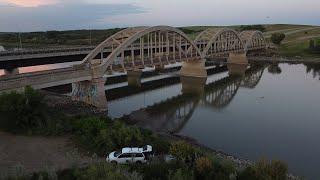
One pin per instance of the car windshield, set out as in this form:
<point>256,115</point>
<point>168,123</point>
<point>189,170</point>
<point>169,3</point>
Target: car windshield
<point>117,153</point>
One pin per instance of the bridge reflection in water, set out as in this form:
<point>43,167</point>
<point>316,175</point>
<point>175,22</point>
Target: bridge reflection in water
<point>172,114</point>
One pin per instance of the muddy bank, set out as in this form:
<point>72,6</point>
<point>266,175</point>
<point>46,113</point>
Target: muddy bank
<point>28,154</point>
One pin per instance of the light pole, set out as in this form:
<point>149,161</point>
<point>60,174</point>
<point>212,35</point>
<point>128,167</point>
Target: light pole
<point>90,39</point>
<point>20,41</point>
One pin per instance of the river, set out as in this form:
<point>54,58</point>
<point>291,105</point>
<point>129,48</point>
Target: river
<point>271,112</point>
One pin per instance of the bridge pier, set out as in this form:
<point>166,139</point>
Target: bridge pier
<point>91,92</point>
<point>194,68</point>
<point>237,69</point>
<point>134,78</point>
<point>238,58</point>
<point>193,76</point>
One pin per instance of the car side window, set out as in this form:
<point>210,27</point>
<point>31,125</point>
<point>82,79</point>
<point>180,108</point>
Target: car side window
<point>138,155</point>
<point>125,155</point>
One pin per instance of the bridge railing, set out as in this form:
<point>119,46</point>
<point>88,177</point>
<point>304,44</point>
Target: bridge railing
<point>45,51</point>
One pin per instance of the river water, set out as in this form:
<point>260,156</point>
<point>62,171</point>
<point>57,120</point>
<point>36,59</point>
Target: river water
<point>272,112</point>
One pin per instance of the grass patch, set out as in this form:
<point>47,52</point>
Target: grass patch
<point>298,49</point>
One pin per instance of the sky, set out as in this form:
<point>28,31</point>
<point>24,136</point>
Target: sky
<point>43,15</point>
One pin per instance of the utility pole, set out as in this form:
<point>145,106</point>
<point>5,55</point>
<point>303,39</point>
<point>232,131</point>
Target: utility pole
<point>20,41</point>
<point>90,40</point>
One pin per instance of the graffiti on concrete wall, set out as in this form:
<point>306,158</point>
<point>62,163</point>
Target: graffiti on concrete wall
<point>84,91</point>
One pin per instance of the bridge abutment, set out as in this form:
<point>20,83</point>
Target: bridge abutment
<point>91,92</point>
<point>134,78</point>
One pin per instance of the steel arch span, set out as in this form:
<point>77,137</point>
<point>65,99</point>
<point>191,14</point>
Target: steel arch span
<point>140,47</point>
<point>253,40</point>
<point>215,41</point>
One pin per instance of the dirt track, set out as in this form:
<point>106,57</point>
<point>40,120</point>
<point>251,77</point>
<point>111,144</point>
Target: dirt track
<point>37,153</point>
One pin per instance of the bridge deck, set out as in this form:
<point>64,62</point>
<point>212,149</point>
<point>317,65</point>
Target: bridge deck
<point>44,79</point>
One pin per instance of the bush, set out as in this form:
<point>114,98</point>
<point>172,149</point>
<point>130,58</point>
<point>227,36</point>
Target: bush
<point>103,135</point>
<point>278,170</point>
<point>181,174</point>
<point>277,38</point>
<point>158,169</point>
<point>106,172</point>
<point>203,165</point>
<point>183,151</point>
<point>265,170</point>
<point>23,112</point>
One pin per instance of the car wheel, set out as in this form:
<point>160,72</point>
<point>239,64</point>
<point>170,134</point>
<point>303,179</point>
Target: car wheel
<point>114,162</point>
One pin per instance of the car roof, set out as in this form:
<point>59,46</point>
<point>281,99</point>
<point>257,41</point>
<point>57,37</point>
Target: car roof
<point>131,150</point>
<point>136,149</point>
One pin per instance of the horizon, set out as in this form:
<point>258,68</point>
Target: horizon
<point>41,15</point>
<point>101,29</point>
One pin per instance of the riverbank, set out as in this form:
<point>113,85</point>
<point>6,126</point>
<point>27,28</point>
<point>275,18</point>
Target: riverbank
<point>66,105</point>
<point>65,101</point>
<point>284,59</point>
<point>95,134</point>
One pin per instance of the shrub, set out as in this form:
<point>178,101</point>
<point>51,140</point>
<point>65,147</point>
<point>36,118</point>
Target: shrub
<point>277,38</point>
<point>22,112</point>
<point>158,169</point>
<point>182,151</point>
<point>181,174</point>
<point>203,165</point>
<point>103,135</point>
<point>278,170</point>
<point>106,172</point>
<point>248,174</point>
<point>265,170</point>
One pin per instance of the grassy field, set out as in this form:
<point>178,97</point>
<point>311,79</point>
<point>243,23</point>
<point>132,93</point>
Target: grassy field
<point>295,43</point>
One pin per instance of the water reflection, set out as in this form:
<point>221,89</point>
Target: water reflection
<point>274,68</point>
<point>313,68</point>
<point>171,115</point>
<point>264,113</point>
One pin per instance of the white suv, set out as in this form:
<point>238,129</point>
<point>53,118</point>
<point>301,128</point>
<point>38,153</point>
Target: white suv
<point>130,155</point>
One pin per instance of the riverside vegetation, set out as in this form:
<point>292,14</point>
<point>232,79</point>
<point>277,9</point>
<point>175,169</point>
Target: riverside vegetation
<point>27,113</point>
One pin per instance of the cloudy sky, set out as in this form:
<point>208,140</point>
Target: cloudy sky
<point>40,15</point>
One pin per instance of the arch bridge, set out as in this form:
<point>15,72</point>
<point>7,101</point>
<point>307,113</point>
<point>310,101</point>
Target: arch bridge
<point>134,49</point>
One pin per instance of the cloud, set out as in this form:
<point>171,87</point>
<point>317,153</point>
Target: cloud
<point>29,3</point>
<point>61,16</point>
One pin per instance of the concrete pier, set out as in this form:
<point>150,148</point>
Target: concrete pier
<point>91,92</point>
<point>134,78</point>
<point>194,68</point>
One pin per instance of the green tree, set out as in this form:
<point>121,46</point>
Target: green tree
<point>22,112</point>
<point>277,38</point>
